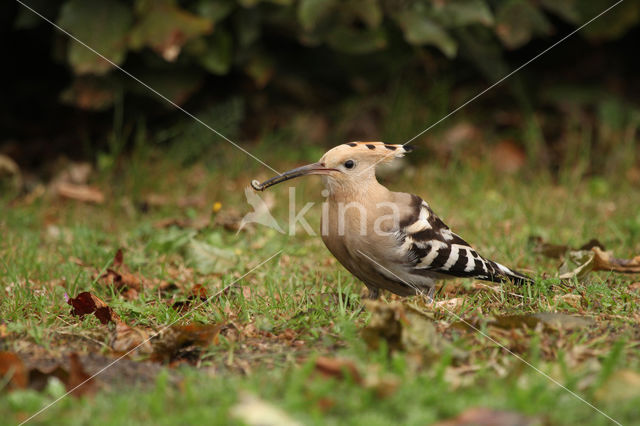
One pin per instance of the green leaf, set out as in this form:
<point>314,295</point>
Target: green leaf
<point>517,21</point>
<point>215,11</point>
<point>217,57</point>
<point>165,28</point>
<point>421,29</point>
<point>566,9</point>
<point>611,25</point>
<point>310,12</point>
<point>463,12</point>
<point>101,24</point>
<point>350,40</point>
<point>368,11</point>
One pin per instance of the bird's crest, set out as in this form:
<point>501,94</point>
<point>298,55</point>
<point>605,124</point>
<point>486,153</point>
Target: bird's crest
<point>374,152</point>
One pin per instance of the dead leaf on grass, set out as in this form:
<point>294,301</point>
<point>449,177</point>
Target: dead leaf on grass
<point>126,338</point>
<point>84,193</point>
<point>120,277</point>
<point>539,245</point>
<point>550,320</point>
<point>579,263</point>
<point>480,416</point>
<point>406,328</point>
<point>76,379</point>
<point>450,304</point>
<point>256,412</point>
<point>338,368</point>
<point>12,369</point>
<point>86,303</point>
<point>79,383</point>
<point>574,300</point>
<point>184,341</point>
<point>198,294</point>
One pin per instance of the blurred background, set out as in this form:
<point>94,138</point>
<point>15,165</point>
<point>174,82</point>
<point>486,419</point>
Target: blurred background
<point>287,79</point>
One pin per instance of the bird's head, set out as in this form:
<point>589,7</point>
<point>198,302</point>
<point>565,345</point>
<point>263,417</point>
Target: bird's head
<point>349,164</point>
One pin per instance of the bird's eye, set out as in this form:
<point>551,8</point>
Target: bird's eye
<point>349,164</point>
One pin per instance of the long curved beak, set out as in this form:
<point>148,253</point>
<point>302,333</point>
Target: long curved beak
<point>309,169</point>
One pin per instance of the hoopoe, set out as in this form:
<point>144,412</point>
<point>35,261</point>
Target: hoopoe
<point>389,240</point>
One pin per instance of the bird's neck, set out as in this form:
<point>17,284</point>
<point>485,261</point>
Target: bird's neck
<point>367,191</point>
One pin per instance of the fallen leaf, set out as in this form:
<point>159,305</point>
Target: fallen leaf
<point>84,193</point>
<point>197,294</point>
<point>121,278</point>
<point>10,173</point>
<point>337,367</point>
<point>480,416</point>
<point>508,157</point>
<point>450,304</point>
<point>79,383</point>
<point>406,328</point>
<point>255,412</point>
<point>579,263</point>
<point>539,245</point>
<point>604,261</point>
<point>172,342</point>
<point>12,369</point>
<point>573,300</point>
<point>547,249</point>
<point>86,303</point>
<point>126,338</point>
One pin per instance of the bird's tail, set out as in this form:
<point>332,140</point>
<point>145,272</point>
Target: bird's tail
<point>500,273</point>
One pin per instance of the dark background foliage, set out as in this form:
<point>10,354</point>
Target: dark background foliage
<point>322,72</point>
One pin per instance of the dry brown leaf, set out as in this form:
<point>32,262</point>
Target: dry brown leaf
<point>122,279</point>
<point>179,341</point>
<point>126,338</point>
<point>12,368</point>
<point>580,263</point>
<point>84,193</point>
<point>79,383</point>
<point>86,303</point>
<point>604,261</point>
<point>508,157</point>
<point>574,300</point>
<point>338,368</point>
<point>76,380</point>
<point>481,416</point>
<point>450,304</point>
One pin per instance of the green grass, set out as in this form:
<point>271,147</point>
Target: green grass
<point>305,292</point>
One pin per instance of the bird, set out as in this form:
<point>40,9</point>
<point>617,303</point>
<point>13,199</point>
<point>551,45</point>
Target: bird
<point>389,240</point>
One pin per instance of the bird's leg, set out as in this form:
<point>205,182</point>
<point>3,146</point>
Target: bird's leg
<point>431,293</point>
<point>374,293</point>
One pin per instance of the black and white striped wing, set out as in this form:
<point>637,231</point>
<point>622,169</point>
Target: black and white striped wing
<point>432,247</point>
